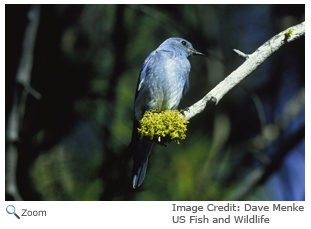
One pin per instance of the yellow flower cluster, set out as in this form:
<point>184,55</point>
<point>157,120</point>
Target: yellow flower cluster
<point>163,127</point>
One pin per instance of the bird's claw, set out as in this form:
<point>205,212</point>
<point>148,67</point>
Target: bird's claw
<point>183,110</point>
<point>157,110</point>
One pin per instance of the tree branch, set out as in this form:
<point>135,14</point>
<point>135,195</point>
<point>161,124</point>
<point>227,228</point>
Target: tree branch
<point>252,62</point>
<point>20,93</point>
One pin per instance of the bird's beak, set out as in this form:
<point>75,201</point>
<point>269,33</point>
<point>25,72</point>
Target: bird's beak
<point>195,52</point>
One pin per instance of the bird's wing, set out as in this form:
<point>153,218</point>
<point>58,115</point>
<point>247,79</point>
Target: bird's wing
<point>132,149</point>
<point>142,73</point>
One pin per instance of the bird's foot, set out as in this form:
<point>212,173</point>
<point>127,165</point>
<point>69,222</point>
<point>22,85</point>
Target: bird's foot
<point>183,110</point>
<point>157,110</point>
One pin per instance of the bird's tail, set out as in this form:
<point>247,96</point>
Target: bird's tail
<point>140,163</point>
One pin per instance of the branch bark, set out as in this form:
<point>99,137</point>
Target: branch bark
<point>252,62</point>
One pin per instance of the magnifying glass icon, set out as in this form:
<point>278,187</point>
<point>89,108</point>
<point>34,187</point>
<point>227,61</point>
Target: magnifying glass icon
<point>11,210</point>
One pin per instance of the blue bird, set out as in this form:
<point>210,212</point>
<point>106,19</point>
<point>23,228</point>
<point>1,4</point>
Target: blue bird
<point>163,79</point>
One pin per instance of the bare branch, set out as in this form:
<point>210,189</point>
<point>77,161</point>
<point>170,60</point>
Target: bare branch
<point>253,61</point>
<point>241,54</point>
<point>15,117</point>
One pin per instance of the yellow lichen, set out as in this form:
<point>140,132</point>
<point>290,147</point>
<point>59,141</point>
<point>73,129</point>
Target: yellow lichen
<point>163,127</point>
<point>288,33</point>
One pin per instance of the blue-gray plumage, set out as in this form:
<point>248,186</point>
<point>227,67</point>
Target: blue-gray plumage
<point>163,80</point>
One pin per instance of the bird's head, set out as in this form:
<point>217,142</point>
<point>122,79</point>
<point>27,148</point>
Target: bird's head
<point>180,45</point>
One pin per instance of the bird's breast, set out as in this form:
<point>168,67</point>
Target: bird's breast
<point>163,84</point>
<point>166,91</point>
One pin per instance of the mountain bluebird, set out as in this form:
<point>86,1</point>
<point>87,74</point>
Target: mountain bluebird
<point>163,79</point>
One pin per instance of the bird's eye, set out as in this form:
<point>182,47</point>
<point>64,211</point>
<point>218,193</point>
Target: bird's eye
<point>184,43</point>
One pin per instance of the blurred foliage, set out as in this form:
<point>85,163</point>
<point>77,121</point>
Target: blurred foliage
<point>86,64</point>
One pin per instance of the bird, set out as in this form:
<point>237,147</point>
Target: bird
<point>163,80</point>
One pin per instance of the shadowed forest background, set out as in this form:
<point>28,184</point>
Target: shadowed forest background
<point>86,62</point>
